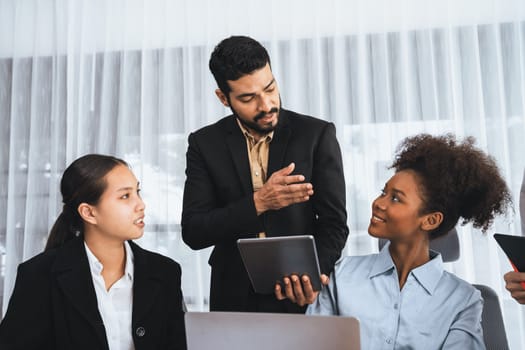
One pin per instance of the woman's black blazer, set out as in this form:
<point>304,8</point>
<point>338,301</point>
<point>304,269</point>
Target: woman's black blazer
<point>54,305</point>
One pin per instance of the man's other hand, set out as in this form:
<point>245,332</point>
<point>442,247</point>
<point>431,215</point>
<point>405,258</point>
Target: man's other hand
<point>282,190</point>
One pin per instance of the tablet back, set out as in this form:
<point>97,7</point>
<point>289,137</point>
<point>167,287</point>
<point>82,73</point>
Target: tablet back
<point>268,260</point>
<point>514,248</point>
<point>265,331</point>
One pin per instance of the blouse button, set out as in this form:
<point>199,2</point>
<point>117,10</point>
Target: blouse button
<point>140,332</point>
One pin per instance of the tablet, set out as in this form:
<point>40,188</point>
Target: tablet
<point>268,260</point>
<point>514,248</point>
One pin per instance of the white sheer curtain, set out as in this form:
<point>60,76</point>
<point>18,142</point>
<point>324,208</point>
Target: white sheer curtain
<point>130,78</point>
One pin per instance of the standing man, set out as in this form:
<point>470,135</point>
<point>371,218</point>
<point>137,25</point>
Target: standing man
<point>263,171</point>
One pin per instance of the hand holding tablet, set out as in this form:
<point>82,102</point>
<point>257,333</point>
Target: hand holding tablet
<point>299,290</point>
<point>269,260</point>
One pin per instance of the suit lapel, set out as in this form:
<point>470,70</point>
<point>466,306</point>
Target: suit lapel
<point>281,136</point>
<point>145,284</point>
<point>236,142</point>
<point>74,278</point>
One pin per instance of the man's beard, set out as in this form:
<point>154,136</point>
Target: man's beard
<point>252,124</point>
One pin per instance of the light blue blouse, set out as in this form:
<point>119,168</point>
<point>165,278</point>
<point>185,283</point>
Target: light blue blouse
<point>434,310</point>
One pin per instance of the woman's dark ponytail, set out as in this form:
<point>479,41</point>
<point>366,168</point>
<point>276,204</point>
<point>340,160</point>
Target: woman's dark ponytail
<point>82,182</point>
<point>61,232</point>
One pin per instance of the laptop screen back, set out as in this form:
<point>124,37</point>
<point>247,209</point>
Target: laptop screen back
<point>266,331</point>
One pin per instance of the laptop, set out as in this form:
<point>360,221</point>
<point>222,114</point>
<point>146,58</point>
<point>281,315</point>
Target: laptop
<point>267,331</point>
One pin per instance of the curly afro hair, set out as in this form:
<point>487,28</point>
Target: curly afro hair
<point>456,179</point>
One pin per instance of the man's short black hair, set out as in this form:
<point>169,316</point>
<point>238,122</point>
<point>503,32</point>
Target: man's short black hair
<point>234,57</point>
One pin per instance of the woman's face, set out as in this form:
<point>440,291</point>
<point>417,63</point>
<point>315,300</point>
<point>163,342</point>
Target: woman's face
<point>396,212</point>
<point>119,213</point>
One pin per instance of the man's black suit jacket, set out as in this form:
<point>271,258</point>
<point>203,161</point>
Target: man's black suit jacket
<point>54,304</point>
<point>218,205</point>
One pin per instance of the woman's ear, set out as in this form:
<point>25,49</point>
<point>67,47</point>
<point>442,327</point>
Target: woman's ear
<point>432,221</point>
<point>86,212</point>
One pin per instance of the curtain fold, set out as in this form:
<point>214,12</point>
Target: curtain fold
<point>130,78</point>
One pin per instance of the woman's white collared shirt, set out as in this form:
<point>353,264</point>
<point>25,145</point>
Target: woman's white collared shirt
<point>116,304</point>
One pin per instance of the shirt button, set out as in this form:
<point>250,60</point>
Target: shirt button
<point>395,306</point>
<point>140,332</point>
<point>389,340</point>
<point>256,173</point>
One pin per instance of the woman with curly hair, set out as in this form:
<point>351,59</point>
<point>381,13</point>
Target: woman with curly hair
<point>402,296</point>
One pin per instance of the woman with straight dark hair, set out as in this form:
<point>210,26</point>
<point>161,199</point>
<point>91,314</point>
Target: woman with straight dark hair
<point>93,288</point>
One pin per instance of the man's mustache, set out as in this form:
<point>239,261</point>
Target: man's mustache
<point>263,114</point>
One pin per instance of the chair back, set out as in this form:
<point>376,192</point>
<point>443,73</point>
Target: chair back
<point>492,320</point>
